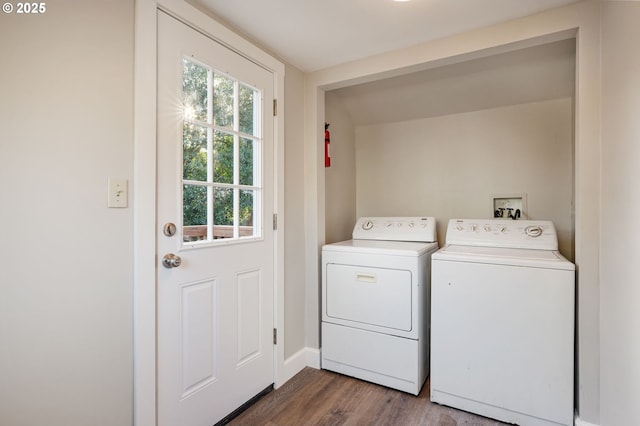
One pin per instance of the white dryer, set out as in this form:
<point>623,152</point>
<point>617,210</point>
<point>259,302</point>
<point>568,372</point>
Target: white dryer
<point>502,337</point>
<point>375,302</point>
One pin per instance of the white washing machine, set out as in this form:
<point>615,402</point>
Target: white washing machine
<point>502,335</point>
<point>375,302</point>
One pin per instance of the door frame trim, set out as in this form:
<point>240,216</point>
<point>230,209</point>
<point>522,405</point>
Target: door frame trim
<point>144,190</point>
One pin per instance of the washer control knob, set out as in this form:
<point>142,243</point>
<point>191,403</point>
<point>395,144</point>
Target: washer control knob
<point>367,225</point>
<point>533,231</point>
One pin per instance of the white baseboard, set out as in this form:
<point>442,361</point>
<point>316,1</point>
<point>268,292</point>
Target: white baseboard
<point>578,422</point>
<point>313,358</point>
<point>305,357</point>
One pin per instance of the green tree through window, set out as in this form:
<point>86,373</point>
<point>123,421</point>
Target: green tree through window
<point>219,134</point>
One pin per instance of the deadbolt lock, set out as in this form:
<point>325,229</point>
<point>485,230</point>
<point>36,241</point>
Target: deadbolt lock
<point>169,229</point>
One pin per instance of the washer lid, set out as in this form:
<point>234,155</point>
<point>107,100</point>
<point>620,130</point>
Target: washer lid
<point>549,259</point>
<point>393,248</point>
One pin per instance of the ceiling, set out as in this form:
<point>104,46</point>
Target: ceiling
<point>527,75</point>
<point>316,34</point>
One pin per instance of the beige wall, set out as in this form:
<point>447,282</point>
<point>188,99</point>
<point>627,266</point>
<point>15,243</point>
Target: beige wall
<point>66,114</point>
<point>340,178</point>
<point>620,284</point>
<point>294,222</point>
<point>451,166</point>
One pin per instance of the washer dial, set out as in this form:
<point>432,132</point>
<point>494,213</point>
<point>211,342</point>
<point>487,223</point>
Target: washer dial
<point>533,231</point>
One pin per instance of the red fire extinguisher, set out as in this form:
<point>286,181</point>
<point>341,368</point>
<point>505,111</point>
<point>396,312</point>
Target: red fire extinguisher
<point>327,141</point>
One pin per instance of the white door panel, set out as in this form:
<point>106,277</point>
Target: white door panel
<point>215,310</point>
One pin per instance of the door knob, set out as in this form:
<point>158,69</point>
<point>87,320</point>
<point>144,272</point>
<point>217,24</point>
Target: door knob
<point>170,260</point>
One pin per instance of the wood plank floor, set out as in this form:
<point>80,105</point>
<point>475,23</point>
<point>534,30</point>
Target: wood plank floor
<point>320,397</point>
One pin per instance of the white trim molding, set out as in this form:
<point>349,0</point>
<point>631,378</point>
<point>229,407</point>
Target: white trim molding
<point>313,358</point>
<point>578,422</point>
<point>305,357</point>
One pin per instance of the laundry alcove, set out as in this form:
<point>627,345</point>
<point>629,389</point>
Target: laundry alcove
<point>441,142</point>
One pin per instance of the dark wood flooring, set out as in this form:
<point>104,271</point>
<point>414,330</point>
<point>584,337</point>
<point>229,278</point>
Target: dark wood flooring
<point>320,397</point>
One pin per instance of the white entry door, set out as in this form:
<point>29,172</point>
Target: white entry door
<point>215,235</point>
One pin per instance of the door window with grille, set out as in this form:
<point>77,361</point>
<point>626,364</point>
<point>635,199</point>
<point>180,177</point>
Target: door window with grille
<point>221,157</point>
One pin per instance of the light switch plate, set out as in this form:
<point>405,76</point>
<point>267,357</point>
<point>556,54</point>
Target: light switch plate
<point>117,193</point>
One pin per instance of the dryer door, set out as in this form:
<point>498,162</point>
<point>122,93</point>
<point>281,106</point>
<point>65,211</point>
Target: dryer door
<point>364,296</point>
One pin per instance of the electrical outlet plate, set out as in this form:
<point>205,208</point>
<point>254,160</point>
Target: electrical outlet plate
<point>504,204</point>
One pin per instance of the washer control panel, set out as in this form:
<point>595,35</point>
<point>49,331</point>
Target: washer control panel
<point>527,234</point>
<point>419,229</point>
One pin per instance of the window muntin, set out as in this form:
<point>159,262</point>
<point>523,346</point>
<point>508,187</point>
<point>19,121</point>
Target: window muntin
<point>221,157</point>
